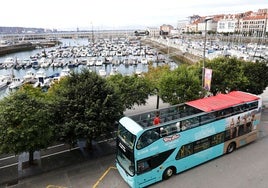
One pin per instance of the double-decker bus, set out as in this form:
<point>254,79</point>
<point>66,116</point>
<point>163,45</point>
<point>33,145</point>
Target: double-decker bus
<point>188,134</point>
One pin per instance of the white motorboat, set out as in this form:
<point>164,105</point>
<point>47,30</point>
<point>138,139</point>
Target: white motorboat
<point>102,73</point>
<point>41,78</point>
<point>99,62</point>
<point>3,85</point>
<point>9,62</point>
<point>144,61</point>
<point>114,71</point>
<point>65,72</point>
<point>29,77</point>
<point>16,83</point>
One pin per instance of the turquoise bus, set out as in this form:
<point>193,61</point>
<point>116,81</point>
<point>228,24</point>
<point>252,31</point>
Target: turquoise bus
<point>188,134</point>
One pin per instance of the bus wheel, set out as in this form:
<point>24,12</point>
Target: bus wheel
<point>231,147</point>
<point>168,173</point>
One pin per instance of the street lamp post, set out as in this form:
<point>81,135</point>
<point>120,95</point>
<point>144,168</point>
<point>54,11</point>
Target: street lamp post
<point>204,51</point>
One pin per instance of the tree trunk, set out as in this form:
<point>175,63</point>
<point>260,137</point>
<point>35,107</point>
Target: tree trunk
<point>31,158</point>
<point>89,145</point>
<point>157,102</point>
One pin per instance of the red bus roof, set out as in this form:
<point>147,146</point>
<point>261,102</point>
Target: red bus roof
<point>222,101</point>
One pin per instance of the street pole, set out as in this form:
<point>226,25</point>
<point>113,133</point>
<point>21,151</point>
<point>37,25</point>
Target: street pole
<point>204,51</point>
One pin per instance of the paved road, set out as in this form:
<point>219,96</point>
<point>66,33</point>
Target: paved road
<point>245,168</point>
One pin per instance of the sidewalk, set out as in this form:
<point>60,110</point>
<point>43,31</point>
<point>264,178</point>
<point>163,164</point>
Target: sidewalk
<point>150,105</point>
<point>264,96</point>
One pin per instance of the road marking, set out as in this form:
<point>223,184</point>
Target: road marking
<point>55,146</point>
<point>59,152</point>
<point>104,174</point>
<point>5,158</point>
<point>10,165</point>
<point>55,186</point>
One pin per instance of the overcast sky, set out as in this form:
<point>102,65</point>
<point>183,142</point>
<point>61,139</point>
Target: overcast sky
<point>114,14</point>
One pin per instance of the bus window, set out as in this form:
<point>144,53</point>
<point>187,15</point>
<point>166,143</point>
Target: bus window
<point>147,138</point>
<point>153,162</point>
<point>253,105</point>
<point>173,129</point>
<point>143,166</point>
<point>194,121</point>
<point>237,109</point>
<point>207,118</point>
<point>185,151</point>
<point>163,132</point>
<point>185,124</point>
<point>126,136</point>
<point>244,107</point>
<point>201,144</point>
<point>217,139</point>
<point>126,160</point>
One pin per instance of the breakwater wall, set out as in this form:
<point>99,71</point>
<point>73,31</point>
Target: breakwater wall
<point>25,46</point>
<point>7,49</point>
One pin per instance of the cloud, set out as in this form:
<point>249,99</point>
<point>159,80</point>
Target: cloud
<point>114,14</point>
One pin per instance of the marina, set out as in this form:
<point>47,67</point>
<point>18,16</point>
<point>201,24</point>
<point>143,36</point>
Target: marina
<point>42,66</point>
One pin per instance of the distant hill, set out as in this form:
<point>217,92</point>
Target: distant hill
<point>21,30</point>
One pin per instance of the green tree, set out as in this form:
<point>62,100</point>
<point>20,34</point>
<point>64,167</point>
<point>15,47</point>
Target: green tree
<point>86,107</point>
<point>153,76</point>
<point>25,122</point>
<point>132,89</point>
<point>230,74</point>
<point>181,85</point>
<point>257,74</point>
<point>227,74</point>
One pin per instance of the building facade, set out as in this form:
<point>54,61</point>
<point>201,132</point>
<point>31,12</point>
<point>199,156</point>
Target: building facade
<point>248,23</point>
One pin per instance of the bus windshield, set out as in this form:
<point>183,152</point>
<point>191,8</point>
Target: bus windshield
<point>125,161</point>
<point>127,137</point>
<point>125,147</point>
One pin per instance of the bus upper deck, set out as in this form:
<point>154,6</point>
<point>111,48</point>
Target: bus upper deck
<point>202,110</point>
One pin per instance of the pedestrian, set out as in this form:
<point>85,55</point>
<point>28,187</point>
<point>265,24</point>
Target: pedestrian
<point>156,119</point>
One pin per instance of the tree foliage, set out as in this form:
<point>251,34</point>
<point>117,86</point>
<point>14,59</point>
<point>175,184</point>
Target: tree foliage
<point>227,75</point>
<point>180,85</point>
<point>154,74</point>
<point>132,89</point>
<point>233,74</point>
<point>86,106</point>
<point>25,122</point>
<point>257,75</point>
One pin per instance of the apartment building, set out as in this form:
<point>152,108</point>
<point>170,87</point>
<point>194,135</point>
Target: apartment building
<point>254,24</point>
<point>249,23</point>
<point>165,29</point>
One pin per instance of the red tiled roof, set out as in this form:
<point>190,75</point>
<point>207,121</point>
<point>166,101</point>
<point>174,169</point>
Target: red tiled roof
<point>255,17</point>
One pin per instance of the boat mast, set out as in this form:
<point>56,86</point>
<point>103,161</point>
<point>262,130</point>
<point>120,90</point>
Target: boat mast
<point>92,33</point>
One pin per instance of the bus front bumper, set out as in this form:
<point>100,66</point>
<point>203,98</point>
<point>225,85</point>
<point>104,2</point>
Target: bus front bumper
<point>128,179</point>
